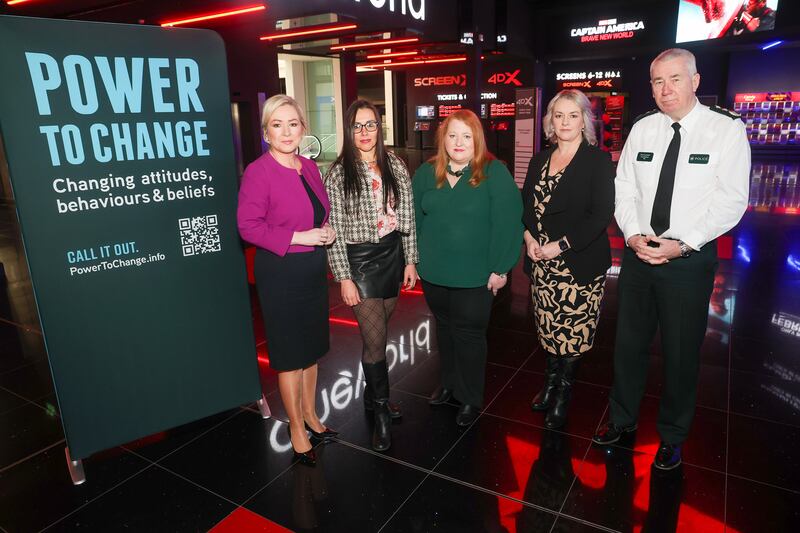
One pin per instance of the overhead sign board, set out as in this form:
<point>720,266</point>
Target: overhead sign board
<point>586,80</point>
<point>607,30</point>
<point>454,97</point>
<point>506,77</point>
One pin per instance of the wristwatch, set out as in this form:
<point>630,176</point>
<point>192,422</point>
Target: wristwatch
<point>686,250</point>
<point>563,244</point>
<point>499,275</point>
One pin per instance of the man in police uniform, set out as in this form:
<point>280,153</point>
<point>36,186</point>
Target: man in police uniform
<point>682,181</point>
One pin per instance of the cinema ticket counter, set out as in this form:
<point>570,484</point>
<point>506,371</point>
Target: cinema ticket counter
<point>436,92</point>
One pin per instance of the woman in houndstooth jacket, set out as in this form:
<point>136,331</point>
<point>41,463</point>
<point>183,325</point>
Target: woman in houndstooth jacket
<point>372,213</point>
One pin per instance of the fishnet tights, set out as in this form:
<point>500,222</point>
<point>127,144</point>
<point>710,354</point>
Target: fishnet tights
<point>373,316</point>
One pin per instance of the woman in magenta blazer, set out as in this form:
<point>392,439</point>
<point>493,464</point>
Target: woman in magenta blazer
<point>283,210</point>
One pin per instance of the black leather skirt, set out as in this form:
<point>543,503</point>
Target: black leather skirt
<point>377,268</point>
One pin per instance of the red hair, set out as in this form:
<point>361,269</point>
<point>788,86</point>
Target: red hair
<point>482,155</point>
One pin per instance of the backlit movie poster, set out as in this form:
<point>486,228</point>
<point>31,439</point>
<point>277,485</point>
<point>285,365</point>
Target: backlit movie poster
<point>699,20</point>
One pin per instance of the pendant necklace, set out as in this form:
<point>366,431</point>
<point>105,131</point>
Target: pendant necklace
<point>456,173</point>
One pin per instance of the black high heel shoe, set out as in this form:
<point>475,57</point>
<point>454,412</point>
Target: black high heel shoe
<point>324,436</point>
<point>308,458</point>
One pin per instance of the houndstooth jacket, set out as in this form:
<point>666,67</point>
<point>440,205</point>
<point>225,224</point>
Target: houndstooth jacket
<point>359,223</point>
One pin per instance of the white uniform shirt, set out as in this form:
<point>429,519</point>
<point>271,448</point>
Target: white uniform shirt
<point>712,177</point>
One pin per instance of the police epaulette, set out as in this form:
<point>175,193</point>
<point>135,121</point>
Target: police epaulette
<point>643,115</point>
<point>727,112</point>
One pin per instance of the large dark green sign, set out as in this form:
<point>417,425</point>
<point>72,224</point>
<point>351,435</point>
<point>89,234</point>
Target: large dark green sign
<point>119,144</point>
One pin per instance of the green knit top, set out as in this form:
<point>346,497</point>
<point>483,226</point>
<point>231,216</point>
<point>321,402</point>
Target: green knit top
<point>465,233</point>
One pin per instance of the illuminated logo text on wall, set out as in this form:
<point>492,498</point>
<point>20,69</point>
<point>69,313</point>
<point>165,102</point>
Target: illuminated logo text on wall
<point>416,8</point>
<point>499,78</point>
<point>427,81</point>
<point>607,30</point>
<point>462,96</point>
<point>599,79</point>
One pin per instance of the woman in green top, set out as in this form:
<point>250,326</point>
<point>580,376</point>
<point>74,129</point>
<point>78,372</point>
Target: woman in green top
<point>469,230</point>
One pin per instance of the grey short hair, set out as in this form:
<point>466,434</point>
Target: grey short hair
<point>676,53</point>
<point>280,100</point>
<point>579,99</point>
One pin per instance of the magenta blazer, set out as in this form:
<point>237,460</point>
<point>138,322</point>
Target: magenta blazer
<point>273,204</point>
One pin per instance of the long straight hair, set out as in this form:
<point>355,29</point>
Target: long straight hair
<point>353,183</point>
<point>482,155</point>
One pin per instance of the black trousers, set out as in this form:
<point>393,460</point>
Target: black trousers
<point>462,316</point>
<point>673,297</point>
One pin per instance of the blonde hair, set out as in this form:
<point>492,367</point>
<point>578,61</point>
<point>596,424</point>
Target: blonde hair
<point>578,98</point>
<point>273,103</point>
<point>482,155</point>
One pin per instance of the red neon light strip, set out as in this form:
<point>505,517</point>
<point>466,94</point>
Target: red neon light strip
<point>416,62</point>
<point>311,30</point>
<point>210,16</point>
<point>342,321</point>
<point>371,44</point>
<point>447,60</point>
<point>14,2</point>
<point>393,54</point>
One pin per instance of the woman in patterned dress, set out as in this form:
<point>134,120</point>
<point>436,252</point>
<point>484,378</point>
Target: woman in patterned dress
<point>372,211</point>
<point>569,203</point>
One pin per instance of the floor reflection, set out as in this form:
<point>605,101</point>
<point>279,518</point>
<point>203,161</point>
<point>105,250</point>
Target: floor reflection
<point>309,493</point>
<point>549,480</point>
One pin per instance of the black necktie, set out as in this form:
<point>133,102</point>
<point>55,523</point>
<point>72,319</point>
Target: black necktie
<point>659,220</point>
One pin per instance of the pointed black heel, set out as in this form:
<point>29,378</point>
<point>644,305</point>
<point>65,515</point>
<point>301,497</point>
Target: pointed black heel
<point>324,436</point>
<point>308,458</point>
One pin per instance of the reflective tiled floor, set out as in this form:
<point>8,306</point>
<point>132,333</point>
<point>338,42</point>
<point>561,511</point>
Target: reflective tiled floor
<point>506,473</point>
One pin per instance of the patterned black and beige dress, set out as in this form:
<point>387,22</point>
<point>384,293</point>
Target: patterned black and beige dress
<point>566,311</point>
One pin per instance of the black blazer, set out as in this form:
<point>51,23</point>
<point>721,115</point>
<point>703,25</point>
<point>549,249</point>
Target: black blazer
<point>581,208</point>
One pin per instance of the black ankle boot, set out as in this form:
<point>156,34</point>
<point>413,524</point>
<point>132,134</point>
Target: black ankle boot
<point>377,377</point>
<point>556,416</point>
<point>542,401</point>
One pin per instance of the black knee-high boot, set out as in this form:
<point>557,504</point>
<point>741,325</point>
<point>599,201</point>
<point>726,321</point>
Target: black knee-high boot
<point>369,405</point>
<point>377,377</point>
<point>542,401</point>
<point>557,414</point>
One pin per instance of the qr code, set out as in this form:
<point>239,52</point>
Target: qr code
<point>199,235</point>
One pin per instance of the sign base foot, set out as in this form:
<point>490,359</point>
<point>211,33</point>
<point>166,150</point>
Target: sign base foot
<point>263,407</point>
<point>75,469</point>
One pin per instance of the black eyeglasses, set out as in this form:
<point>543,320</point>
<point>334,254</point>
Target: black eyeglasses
<point>371,125</point>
